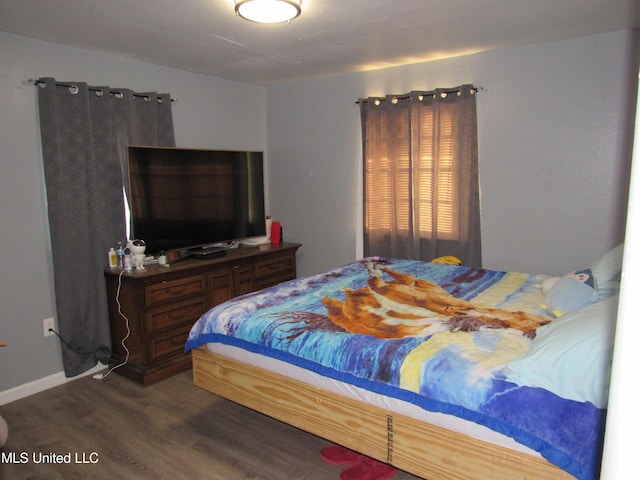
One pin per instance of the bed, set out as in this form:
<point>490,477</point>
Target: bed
<point>447,372</point>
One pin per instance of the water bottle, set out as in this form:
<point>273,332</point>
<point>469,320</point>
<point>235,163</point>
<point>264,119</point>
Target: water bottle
<point>120,255</point>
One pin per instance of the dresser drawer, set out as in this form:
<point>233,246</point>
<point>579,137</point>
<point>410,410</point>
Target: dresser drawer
<point>274,266</point>
<point>174,290</point>
<point>274,280</point>
<point>187,311</point>
<point>168,344</point>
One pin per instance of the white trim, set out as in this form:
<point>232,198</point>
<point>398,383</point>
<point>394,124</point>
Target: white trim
<point>623,416</point>
<point>42,384</point>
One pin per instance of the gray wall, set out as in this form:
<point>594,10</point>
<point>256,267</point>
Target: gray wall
<point>555,131</point>
<point>209,113</point>
<point>554,126</point>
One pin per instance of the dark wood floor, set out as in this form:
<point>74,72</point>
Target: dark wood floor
<point>114,428</point>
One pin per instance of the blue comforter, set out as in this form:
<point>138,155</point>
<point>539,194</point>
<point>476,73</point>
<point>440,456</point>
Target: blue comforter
<point>438,336</point>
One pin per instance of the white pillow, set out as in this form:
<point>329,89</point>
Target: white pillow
<point>571,356</point>
<point>606,270</point>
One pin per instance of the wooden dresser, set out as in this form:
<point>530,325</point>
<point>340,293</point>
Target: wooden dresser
<point>162,303</point>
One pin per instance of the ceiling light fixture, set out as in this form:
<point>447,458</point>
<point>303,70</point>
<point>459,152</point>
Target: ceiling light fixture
<point>268,11</point>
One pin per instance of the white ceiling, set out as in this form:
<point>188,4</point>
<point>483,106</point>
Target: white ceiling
<point>330,37</point>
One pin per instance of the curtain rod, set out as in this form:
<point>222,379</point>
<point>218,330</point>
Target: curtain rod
<point>430,92</point>
<point>35,83</point>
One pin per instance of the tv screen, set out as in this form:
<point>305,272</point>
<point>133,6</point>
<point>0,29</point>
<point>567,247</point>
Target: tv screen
<point>184,198</point>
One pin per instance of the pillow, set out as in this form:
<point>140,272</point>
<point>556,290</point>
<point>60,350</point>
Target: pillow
<point>573,291</point>
<point>610,265</point>
<point>571,356</point>
<point>606,271</point>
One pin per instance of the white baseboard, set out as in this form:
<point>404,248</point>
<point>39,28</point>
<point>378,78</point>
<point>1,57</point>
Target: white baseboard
<point>36,386</point>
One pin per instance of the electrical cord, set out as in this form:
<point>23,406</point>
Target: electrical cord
<point>100,376</point>
<point>69,346</point>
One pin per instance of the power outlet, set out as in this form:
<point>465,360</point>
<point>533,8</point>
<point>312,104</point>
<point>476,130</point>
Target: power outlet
<point>48,326</point>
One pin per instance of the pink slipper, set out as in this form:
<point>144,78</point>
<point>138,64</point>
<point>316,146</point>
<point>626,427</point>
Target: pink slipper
<point>368,469</point>
<point>337,455</point>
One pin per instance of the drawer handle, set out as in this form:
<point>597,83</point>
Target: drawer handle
<point>177,290</point>
<point>276,267</point>
<point>174,316</point>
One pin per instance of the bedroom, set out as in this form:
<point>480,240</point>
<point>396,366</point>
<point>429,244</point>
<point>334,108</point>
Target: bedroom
<point>565,104</point>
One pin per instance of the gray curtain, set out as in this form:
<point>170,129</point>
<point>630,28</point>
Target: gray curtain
<point>85,132</point>
<point>421,189</point>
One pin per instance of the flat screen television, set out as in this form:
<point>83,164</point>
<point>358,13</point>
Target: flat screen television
<point>194,199</point>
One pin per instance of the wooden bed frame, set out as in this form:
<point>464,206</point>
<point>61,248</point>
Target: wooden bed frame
<point>422,449</point>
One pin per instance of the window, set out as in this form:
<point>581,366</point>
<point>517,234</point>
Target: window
<point>420,174</point>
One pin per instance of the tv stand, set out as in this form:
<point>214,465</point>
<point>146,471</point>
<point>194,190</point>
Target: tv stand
<point>161,303</point>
